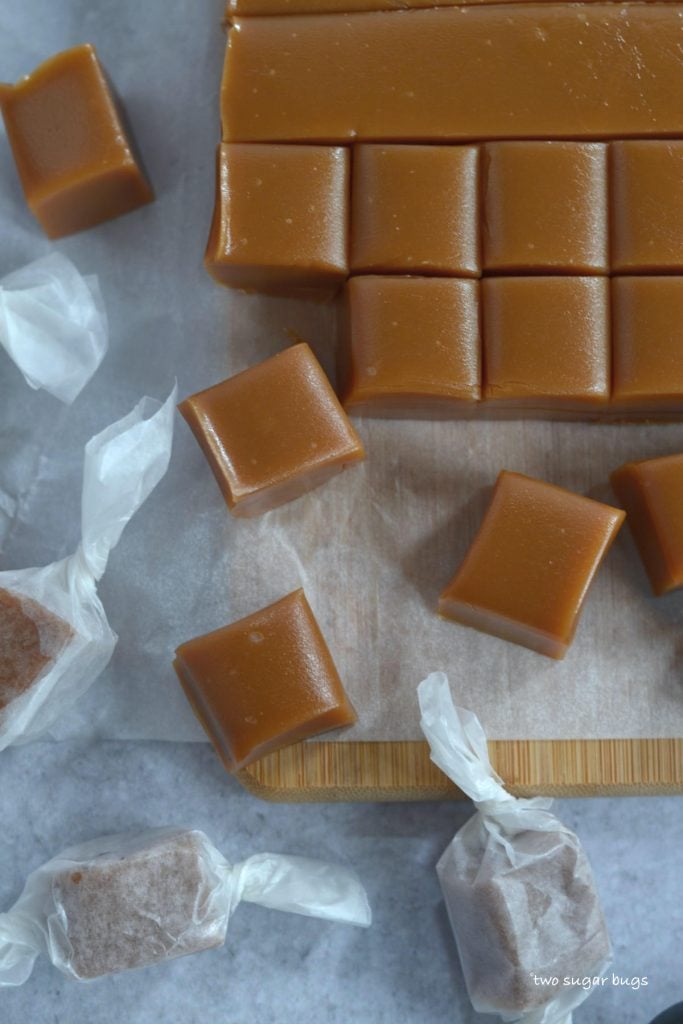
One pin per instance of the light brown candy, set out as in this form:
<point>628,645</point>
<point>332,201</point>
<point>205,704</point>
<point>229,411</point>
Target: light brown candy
<point>74,158</point>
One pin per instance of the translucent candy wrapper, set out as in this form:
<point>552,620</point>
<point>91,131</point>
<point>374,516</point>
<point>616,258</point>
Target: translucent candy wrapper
<point>54,635</point>
<point>129,901</point>
<point>518,887</point>
<point>53,325</point>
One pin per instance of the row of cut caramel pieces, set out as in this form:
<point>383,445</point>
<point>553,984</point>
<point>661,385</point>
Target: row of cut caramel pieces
<point>293,218</point>
<point>269,680</point>
<point>555,347</point>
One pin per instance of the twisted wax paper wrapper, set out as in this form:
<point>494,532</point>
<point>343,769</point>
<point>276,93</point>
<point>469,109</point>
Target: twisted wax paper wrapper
<point>66,640</point>
<point>128,901</point>
<point>518,887</point>
<point>53,325</point>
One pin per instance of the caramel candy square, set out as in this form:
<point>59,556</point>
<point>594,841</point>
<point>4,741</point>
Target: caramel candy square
<point>652,494</point>
<point>31,639</point>
<point>412,346</point>
<point>280,223</point>
<point>547,343</point>
<point>648,345</point>
<point>273,432</point>
<point>264,682</point>
<point>646,198</point>
<point>527,572</point>
<point>75,161</point>
<point>545,207</point>
<point>414,209</point>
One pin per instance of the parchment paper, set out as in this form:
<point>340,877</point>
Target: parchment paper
<point>374,547</point>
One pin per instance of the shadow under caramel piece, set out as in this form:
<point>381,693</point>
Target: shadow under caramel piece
<point>545,207</point>
<point>75,162</point>
<point>647,352</point>
<point>414,209</point>
<point>411,346</point>
<point>31,638</point>
<point>280,222</point>
<point>264,682</point>
<point>273,432</point>
<point>651,491</point>
<point>528,570</point>
<point>646,197</point>
<point>538,70</point>
<point>546,345</point>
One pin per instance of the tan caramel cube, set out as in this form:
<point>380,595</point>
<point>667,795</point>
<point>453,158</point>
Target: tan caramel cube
<point>547,344</point>
<point>264,682</point>
<point>412,346</point>
<point>280,222</point>
<point>651,491</point>
<point>273,432</point>
<point>415,210</point>
<point>74,159</point>
<point>528,570</point>
<point>545,207</point>
<point>648,345</point>
<point>646,194</point>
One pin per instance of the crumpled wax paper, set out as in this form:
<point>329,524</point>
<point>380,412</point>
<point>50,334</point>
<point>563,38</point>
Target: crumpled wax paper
<point>374,547</point>
<point>53,325</point>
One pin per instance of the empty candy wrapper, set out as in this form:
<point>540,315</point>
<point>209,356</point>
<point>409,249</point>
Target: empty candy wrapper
<point>129,901</point>
<point>53,325</point>
<point>519,890</point>
<point>54,635</point>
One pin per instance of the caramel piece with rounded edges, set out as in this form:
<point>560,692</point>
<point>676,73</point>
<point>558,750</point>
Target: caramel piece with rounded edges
<point>414,209</point>
<point>251,7</point>
<point>545,207</point>
<point>647,205</point>
<point>528,570</point>
<point>544,71</point>
<point>273,432</point>
<point>74,159</point>
<point>280,222</point>
<point>546,344</point>
<point>651,491</point>
<point>264,682</point>
<point>412,346</point>
<point>31,637</point>
<point>648,345</point>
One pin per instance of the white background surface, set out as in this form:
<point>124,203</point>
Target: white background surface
<point>165,60</point>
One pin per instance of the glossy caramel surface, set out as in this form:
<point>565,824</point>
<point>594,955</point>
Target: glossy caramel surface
<point>31,637</point>
<point>74,159</point>
<point>280,222</point>
<point>647,331</point>
<point>651,491</point>
<point>415,210</point>
<point>545,207</point>
<point>263,682</point>
<point>647,205</point>
<point>412,346</point>
<point>273,432</point>
<point>547,342</point>
<point>544,71</point>
<point>528,570</point>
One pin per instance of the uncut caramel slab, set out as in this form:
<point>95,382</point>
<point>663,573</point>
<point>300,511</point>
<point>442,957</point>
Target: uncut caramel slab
<point>252,7</point>
<point>460,73</point>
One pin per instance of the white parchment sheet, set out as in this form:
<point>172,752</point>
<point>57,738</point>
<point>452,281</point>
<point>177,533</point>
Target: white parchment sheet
<point>374,547</point>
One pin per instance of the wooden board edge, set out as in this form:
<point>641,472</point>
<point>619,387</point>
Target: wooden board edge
<point>402,770</point>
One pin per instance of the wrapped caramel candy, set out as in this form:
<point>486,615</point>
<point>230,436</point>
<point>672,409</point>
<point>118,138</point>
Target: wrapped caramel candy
<point>127,901</point>
<point>53,325</point>
<point>518,887</point>
<point>54,635</point>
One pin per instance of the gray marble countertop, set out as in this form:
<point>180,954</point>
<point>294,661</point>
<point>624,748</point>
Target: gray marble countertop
<point>274,968</point>
<point>278,968</point>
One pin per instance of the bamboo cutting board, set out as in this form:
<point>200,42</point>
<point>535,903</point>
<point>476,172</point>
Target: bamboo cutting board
<point>309,772</point>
